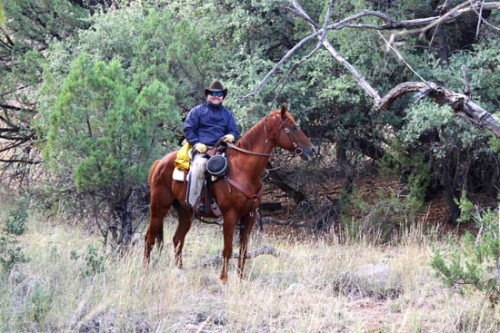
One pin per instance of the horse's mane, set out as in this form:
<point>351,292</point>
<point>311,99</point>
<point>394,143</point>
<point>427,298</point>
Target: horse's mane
<point>257,130</point>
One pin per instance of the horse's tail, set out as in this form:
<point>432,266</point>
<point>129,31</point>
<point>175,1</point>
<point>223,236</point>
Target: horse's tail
<point>154,231</point>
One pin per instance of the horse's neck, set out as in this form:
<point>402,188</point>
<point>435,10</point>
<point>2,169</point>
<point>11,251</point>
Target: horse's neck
<point>255,141</point>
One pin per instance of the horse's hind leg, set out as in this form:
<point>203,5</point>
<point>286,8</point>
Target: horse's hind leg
<point>155,229</point>
<point>161,199</point>
<point>247,223</point>
<point>185,220</point>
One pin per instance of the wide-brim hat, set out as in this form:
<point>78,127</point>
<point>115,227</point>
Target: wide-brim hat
<point>216,86</point>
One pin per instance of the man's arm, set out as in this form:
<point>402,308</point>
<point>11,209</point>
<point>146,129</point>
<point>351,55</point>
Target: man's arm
<point>191,125</point>
<point>232,127</point>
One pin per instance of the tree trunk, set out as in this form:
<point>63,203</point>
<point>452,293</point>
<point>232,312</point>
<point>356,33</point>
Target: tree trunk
<point>278,178</point>
<point>442,47</point>
<point>123,214</point>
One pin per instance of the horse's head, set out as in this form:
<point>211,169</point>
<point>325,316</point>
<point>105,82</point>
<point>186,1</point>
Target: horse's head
<point>289,136</point>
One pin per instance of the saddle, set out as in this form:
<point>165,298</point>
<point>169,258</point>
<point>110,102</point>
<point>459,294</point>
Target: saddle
<point>216,167</point>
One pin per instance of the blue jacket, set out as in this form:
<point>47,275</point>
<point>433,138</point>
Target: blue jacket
<point>207,123</point>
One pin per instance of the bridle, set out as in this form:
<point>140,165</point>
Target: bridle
<point>282,128</point>
<point>254,195</point>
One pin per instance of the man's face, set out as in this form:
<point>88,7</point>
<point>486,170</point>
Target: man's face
<point>215,98</point>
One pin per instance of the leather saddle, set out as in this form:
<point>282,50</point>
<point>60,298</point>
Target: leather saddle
<point>206,206</point>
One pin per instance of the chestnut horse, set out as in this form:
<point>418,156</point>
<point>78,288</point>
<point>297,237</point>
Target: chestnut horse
<point>238,194</point>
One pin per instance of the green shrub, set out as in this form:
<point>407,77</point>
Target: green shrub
<point>10,251</point>
<point>94,262</point>
<point>13,226</point>
<point>474,261</point>
<point>15,223</point>
<point>394,210</point>
<point>40,303</point>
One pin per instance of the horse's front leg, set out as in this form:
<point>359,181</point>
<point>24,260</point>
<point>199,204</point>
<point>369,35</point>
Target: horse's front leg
<point>228,230</point>
<point>247,223</point>
<point>185,220</point>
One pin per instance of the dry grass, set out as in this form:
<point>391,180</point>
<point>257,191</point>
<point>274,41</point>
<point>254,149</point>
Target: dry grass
<point>316,286</point>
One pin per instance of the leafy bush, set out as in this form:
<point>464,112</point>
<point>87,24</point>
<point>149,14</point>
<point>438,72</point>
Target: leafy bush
<point>15,223</point>
<point>40,303</point>
<point>94,262</point>
<point>13,226</point>
<point>10,252</point>
<point>474,261</point>
<point>395,208</point>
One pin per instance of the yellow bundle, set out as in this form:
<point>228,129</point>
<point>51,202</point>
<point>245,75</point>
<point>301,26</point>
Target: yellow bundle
<point>183,160</point>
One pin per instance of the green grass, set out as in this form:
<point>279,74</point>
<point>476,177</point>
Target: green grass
<point>70,284</point>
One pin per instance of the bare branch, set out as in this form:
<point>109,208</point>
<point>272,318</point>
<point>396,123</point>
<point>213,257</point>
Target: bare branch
<point>461,104</point>
<point>481,19</point>
<point>390,24</point>
<point>318,45</point>
<point>357,76</point>
<point>480,15</point>
<point>461,9</point>
<point>400,57</point>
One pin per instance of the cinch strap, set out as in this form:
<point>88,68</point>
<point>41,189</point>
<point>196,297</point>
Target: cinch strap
<point>246,192</point>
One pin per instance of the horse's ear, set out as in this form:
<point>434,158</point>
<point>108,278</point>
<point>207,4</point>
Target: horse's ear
<point>283,110</point>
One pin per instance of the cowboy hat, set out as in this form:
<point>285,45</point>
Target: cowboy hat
<point>216,86</point>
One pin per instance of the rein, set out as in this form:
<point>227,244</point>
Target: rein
<point>230,145</point>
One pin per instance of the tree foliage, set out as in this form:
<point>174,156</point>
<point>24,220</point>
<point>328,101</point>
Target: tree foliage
<point>105,134</point>
<point>28,29</point>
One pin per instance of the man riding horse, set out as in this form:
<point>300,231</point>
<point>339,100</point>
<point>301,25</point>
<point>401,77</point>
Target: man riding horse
<point>238,194</point>
<point>204,126</point>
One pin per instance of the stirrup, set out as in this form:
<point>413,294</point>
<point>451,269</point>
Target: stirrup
<point>201,208</point>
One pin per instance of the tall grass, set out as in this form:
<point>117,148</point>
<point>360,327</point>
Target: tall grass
<point>69,284</point>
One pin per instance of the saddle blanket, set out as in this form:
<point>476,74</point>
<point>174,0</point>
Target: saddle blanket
<point>179,175</point>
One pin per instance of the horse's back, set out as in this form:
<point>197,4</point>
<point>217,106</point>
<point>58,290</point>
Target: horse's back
<point>162,169</point>
<point>163,189</point>
<point>152,170</point>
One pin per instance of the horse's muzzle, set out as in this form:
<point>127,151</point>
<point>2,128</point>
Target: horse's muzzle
<point>306,153</point>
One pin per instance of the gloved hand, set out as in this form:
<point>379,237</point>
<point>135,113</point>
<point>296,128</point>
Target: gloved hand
<point>200,147</point>
<point>228,138</point>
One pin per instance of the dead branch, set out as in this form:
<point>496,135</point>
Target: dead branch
<point>357,76</point>
<point>318,45</point>
<point>263,250</point>
<point>420,25</point>
<point>483,20</point>
<point>401,58</point>
<point>390,24</point>
<point>462,9</point>
<point>461,104</point>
